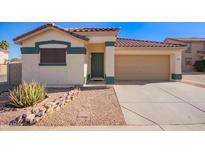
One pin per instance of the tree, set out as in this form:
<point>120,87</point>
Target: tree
<point>4,45</point>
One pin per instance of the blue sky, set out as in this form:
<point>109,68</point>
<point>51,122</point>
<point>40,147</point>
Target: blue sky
<point>156,31</point>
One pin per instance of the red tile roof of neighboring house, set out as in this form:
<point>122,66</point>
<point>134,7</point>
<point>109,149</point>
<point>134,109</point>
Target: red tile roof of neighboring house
<point>123,42</point>
<point>187,39</point>
<point>54,26</point>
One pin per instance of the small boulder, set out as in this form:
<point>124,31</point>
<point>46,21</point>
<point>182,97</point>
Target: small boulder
<point>35,120</point>
<point>40,114</point>
<point>30,118</point>
<point>18,119</point>
<point>25,115</point>
<point>48,105</point>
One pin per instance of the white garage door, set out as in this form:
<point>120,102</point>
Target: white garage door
<point>137,67</point>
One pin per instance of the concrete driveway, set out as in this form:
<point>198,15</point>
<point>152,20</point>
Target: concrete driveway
<point>162,105</point>
<point>195,78</point>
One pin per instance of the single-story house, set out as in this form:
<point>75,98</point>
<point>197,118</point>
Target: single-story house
<point>60,56</point>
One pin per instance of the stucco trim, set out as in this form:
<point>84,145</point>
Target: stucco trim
<point>69,49</point>
<point>110,43</point>
<point>37,44</point>
<point>76,50</point>
<point>110,79</point>
<point>29,50</point>
<point>176,76</point>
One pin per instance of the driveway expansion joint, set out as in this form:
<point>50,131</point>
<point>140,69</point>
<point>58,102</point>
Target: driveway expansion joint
<point>181,99</point>
<point>144,118</point>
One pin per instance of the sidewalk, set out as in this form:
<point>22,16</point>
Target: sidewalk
<point>188,127</point>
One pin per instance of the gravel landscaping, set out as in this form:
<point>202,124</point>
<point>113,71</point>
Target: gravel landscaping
<point>92,106</point>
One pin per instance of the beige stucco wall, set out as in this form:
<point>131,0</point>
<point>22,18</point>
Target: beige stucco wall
<point>72,73</point>
<point>195,46</point>
<point>110,61</point>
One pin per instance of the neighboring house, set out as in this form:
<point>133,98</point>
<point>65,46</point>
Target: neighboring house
<point>60,56</point>
<point>3,66</point>
<point>3,56</point>
<point>195,51</point>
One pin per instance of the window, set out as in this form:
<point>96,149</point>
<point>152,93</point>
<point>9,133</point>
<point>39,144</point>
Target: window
<point>53,56</point>
<point>188,61</point>
<point>189,48</point>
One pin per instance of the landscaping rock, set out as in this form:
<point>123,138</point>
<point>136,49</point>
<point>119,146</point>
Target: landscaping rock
<point>30,118</point>
<point>42,109</point>
<point>35,120</point>
<point>37,113</point>
<point>25,115</point>
<point>35,110</point>
<point>18,119</point>
<point>48,105</point>
<point>40,114</point>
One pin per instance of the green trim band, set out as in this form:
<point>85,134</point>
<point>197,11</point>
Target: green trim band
<point>52,64</point>
<point>69,49</point>
<point>76,50</point>
<point>110,43</point>
<point>29,50</point>
<point>110,80</point>
<point>176,76</point>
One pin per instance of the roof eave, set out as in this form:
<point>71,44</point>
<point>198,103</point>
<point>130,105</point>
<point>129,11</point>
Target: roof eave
<point>21,38</point>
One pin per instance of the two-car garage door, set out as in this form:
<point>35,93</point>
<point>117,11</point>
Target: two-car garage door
<point>142,67</point>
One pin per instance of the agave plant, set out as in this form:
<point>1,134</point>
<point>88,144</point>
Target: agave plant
<point>27,94</point>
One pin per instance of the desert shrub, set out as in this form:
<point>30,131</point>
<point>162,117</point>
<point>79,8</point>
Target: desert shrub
<point>27,94</point>
<point>199,65</point>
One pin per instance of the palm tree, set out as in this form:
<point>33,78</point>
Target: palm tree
<point>4,45</point>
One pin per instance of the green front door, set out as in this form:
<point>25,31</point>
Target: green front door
<point>97,65</point>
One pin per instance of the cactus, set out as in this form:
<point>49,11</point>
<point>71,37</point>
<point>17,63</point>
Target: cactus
<point>27,94</point>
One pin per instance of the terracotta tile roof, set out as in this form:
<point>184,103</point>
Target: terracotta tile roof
<point>55,26</point>
<point>123,42</point>
<point>187,39</point>
<point>92,29</point>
